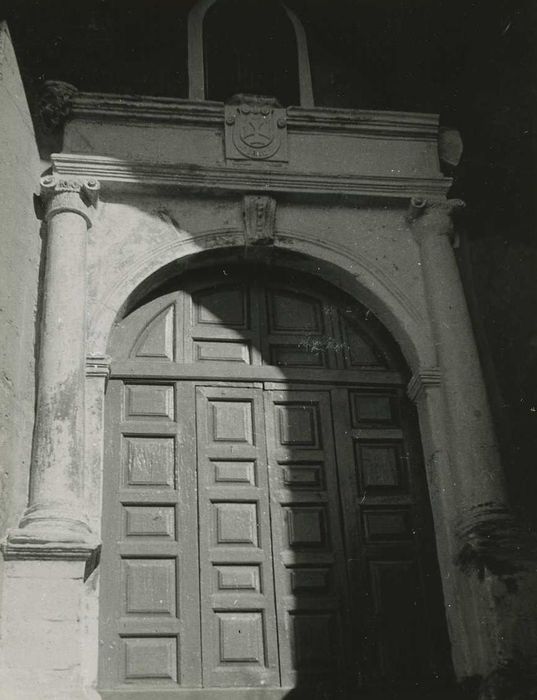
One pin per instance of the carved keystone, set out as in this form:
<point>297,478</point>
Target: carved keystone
<point>259,213</point>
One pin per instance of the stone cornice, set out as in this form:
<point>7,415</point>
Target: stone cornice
<point>126,174</point>
<point>421,380</point>
<point>366,123</point>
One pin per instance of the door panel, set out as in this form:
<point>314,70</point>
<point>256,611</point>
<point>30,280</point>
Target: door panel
<point>380,488</point>
<point>239,643</point>
<point>150,613</point>
<point>311,590</point>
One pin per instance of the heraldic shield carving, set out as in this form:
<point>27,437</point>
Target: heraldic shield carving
<point>255,129</point>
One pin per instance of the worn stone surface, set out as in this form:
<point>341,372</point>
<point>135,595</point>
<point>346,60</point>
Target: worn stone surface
<point>19,272</point>
<point>41,631</point>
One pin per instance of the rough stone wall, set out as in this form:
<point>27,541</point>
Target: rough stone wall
<point>19,273</point>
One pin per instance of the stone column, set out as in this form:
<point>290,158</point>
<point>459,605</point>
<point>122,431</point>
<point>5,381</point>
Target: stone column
<point>54,519</point>
<point>480,477</point>
<point>470,481</point>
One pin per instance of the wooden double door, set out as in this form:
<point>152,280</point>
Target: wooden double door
<point>261,536</point>
<point>266,529</point>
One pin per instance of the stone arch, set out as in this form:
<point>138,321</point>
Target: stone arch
<point>360,277</point>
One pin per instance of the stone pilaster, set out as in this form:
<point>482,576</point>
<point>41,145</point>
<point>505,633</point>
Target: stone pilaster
<point>464,460</point>
<point>54,524</point>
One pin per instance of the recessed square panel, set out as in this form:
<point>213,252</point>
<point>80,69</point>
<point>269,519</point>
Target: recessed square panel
<point>306,527</point>
<point>221,351</point>
<point>302,476</point>
<point>360,352</point>
<point>379,465</point>
<point>223,306</point>
<point>387,524</point>
<point>401,620</point>
<point>373,409</point>
<point>150,461</point>
<point>294,313</point>
<point>150,659</point>
<point>298,424</point>
<point>241,638</point>
<point>149,586</point>
<point>313,637</point>
<point>236,524</point>
<point>311,580</point>
<point>149,521</point>
<point>235,472</point>
<point>231,421</point>
<point>394,584</point>
<point>146,401</point>
<point>297,355</point>
<point>241,577</point>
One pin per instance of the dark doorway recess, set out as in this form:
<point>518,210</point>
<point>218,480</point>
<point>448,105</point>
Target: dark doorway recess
<point>250,47</point>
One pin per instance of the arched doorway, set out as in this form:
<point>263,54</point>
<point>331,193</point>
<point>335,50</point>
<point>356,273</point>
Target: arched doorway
<point>266,522</point>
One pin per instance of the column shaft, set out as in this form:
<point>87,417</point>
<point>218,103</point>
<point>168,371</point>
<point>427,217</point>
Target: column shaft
<point>473,442</point>
<point>55,514</point>
<point>57,451</point>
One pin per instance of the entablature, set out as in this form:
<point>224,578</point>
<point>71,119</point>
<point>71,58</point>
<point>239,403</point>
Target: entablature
<point>185,144</point>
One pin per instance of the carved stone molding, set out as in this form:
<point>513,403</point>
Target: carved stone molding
<point>493,539</point>
<point>54,550</point>
<point>44,534</point>
<point>68,194</point>
<point>98,366</point>
<point>321,120</point>
<point>421,380</point>
<point>434,217</point>
<point>255,129</point>
<point>55,104</point>
<point>259,213</point>
<point>131,175</point>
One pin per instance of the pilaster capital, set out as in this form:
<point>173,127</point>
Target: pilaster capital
<point>423,379</point>
<point>98,366</point>
<point>433,217</point>
<point>73,194</point>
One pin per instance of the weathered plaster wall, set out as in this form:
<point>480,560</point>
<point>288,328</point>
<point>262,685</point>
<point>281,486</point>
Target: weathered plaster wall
<point>19,272</point>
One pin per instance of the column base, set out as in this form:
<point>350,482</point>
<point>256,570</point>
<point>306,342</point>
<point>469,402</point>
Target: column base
<point>48,532</point>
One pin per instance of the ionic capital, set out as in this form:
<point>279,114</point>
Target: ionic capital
<point>421,380</point>
<point>433,218</point>
<point>76,195</point>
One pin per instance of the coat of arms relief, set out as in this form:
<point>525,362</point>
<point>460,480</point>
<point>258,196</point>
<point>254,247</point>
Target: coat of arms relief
<point>255,129</point>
